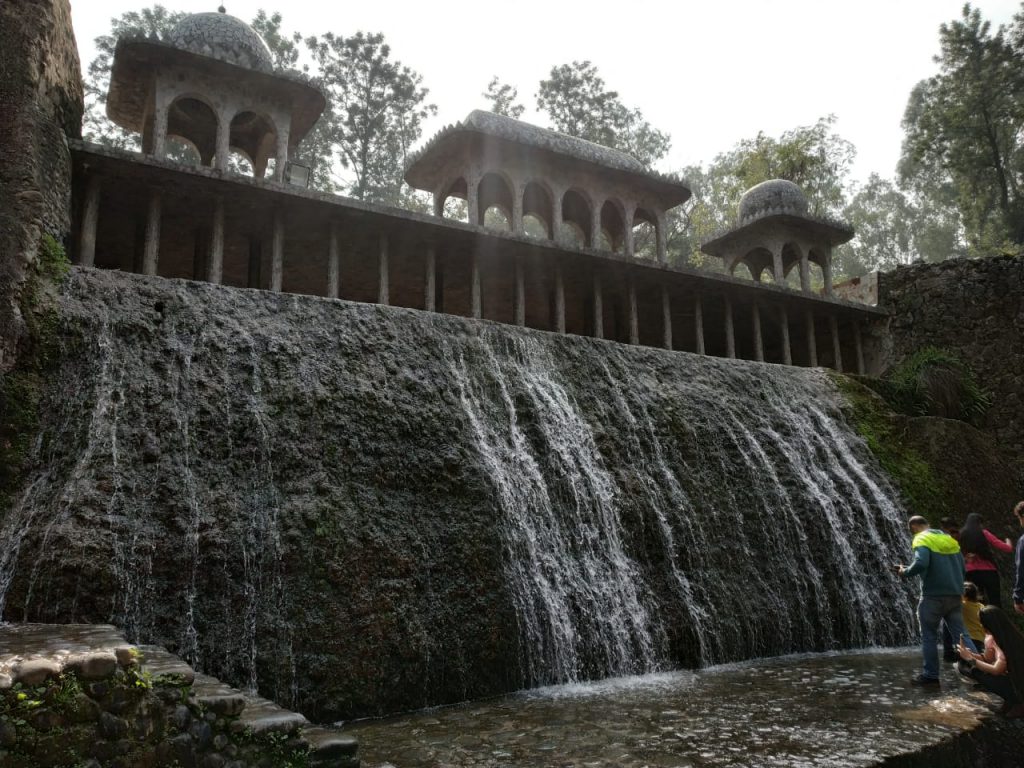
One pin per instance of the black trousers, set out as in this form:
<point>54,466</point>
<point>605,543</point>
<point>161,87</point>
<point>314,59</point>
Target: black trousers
<point>1000,685</point>
<point>987,582</point>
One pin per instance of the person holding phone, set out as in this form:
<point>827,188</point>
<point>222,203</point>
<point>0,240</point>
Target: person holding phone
<point>1000,668</point>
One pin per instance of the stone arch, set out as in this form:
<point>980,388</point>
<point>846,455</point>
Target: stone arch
<point>645,234</point>
<point>537,206</point>
<point>577,217</point>
<point>495,191</point>
<point>613,225</point>
<point>758,260</point>
<point>191,117</point>
<point>452,201</point>
<point>255,133</point>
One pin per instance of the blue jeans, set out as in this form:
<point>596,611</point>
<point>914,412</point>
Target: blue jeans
<point>931,612</point>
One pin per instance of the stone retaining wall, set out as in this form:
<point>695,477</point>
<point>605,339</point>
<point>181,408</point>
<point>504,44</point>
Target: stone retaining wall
<point>78,695</point>
<point>974,308</point>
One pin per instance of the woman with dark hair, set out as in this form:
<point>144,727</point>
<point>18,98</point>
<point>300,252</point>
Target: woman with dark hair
<point>1000,669</point>
<point>976,543</point>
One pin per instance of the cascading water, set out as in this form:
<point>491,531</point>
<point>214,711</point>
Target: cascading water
<point>363,509</point>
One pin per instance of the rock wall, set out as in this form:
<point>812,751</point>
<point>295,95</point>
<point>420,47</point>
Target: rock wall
<point>41,103</point>
<point>361,509</point>
<point>975,308</point>
<point>79,695</point>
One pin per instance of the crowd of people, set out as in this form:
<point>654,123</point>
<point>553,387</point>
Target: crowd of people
<point>961,601</point>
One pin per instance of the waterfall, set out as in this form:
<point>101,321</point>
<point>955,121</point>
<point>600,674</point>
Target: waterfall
<point>799,574</point>
<point>355,508</point>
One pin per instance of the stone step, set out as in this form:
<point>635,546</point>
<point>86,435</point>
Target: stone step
<point>165,666</point>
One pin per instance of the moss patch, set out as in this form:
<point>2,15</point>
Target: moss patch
<point>886,435</point>
<point>21,388</point>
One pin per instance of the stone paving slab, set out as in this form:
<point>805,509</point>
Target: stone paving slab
<point>31,653</point>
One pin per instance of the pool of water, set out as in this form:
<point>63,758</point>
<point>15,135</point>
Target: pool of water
<point>849,709</point>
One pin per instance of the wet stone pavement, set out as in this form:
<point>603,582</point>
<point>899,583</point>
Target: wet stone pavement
<point>835,710</point>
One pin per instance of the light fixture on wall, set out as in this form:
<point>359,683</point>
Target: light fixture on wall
<point>297,174</point>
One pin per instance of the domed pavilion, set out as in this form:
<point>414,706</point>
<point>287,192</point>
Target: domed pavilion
<point>774,232</point>
<point>212,84</point>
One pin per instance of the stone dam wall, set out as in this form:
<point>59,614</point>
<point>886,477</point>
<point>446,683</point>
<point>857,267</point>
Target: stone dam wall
<point>360,509</point>
<point>974,307</point>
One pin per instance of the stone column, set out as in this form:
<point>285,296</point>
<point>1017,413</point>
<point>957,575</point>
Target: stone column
<point>812,342</point>
<point>826,271</point>
<point>281,154</point>
<point>90,222</point>
<point>223,150</point>
<point>473,199</point>
<point>627,232</point>
<point>520,293</point>
<point>858,346</point>
<point>556,215</point>
<point>161,107</point>
<point>476,298</point>
<point>778,268</point>
<point>333,263</point>
<point>278,252</point>
<point>215,268</point>
<point>430,284</point>
<point>787,349</point>
<point>255,262</point>
<point>666,318</point>
<point>758,340</point>
<point>662,238</point>
<point>439,204</point>
<point>805,273</point>
<point>837,352</point>
<point>595,227</point>
<point>559,299</point>
<point>730,333</point>
<point>634,315</point>
<point>151,250</point>
<point>698,320</point>
<point>383,287</point>
<point>598,308</point>
<point>517,211</point>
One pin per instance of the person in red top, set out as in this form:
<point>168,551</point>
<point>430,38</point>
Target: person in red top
<point>977,544</point>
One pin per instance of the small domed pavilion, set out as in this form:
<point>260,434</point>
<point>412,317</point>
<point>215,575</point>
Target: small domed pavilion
<point>775,232</point>
<point>212,84</point>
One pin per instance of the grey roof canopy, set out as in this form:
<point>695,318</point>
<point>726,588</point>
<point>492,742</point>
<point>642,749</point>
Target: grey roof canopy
<point>426,168</point>
<point>771,204</point>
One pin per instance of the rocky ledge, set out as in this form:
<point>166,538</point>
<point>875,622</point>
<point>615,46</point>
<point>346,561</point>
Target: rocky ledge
<point>78,694</point>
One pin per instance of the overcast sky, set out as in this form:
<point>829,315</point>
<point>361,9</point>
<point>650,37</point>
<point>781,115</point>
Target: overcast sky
<point>710,72</point>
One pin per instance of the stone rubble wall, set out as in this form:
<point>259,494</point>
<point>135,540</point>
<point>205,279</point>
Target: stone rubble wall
<point>41,103</point>
<point>79,695</point>
<point>974,308</point>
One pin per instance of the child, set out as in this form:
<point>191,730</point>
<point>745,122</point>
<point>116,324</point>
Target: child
<point>972,608</point>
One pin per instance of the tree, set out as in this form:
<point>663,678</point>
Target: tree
<point>503,99</point>
<point>155,22</point>
<point>379,108</point>
<point>575,98</point>
<point>965,127</point>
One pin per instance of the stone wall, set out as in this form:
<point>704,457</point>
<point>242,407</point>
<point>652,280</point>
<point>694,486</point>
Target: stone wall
<point>79,695</point>
<point>40,104</point>
<point>971,307</point>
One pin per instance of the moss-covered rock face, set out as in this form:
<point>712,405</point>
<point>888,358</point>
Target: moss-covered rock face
<point>362,509</point>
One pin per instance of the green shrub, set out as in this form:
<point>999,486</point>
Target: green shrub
<point>935,382</point>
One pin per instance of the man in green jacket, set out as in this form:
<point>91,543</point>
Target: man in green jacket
<point>939,563</point>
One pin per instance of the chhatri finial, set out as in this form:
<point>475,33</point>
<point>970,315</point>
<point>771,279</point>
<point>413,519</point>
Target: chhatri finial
<point>221,9</point>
